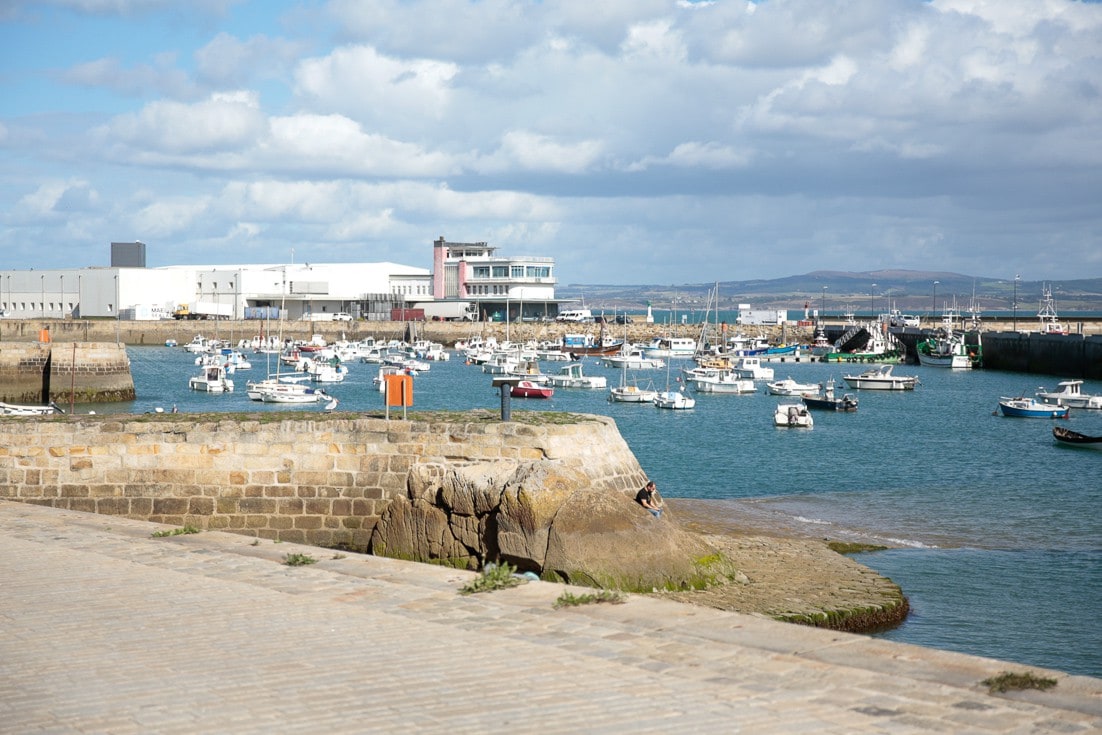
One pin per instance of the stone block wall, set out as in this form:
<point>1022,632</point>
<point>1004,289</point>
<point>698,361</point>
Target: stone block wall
<point>64,372</point>
<point>322,480</point>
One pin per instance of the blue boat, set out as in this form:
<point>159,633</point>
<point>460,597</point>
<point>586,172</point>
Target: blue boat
<point>1031,408</point>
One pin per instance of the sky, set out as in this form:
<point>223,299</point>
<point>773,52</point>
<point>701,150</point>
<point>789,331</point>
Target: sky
<point>634,141</point>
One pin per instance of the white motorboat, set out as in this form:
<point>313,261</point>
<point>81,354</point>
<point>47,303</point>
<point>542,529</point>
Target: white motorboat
<point>573,376</point>
<point>633,358</point>
<point>793,416</point>
<point>280,389</point>
<point>212,379</point>
<point>1070,394</point>
<point>879,377</point>
<point>789,387</point>
<point>752,368</point>
<point>671,348</point>
<point>709,380</point>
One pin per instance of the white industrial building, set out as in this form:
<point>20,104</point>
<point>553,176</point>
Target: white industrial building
<point>497,287</point>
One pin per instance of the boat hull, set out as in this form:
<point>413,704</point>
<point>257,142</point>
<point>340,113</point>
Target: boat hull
<point>846,403</point>
<point>1067,437</point>
<point>1027,409</point>
<point>528,389</point>
<point>631,394</point>
<point>675,400</point>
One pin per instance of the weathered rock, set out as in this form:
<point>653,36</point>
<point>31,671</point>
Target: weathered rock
<point>419,531</point>
<point>529,504</point>
<point>607,540</point>
<point>475,489</point>
<point>546,517</point>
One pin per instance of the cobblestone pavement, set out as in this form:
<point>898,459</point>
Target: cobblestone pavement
<point>109,630</point>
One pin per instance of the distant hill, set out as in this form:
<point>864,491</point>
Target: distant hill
<point>842,290</point>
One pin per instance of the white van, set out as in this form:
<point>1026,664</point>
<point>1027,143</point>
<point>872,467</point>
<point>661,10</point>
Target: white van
<point>575,315</point>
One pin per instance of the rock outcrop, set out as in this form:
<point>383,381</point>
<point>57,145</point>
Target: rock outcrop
<point>544,517</point>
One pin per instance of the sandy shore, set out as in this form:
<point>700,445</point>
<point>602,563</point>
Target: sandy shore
<point>785,573</point>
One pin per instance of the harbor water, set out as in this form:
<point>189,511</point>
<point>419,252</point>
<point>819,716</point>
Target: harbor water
<point>995,531</point>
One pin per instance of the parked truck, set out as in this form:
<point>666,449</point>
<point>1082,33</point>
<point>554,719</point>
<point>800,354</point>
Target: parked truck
<point>204,310</point>
<point>448,311</point>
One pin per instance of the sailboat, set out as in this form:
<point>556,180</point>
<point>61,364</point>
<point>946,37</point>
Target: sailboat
<point>279,389</point>
<point>630,392</point>
<point>673,399</point>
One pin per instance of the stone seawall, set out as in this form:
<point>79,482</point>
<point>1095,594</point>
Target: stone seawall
<point>322,480</point>
<point>1067,356</point>
<point>64,372</point>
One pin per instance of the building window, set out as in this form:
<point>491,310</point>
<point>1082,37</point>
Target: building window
<point>481,271</point>
<point>501,271</point>
<point>517,271</point>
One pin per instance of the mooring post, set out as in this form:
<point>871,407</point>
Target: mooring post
<point>505,395</point>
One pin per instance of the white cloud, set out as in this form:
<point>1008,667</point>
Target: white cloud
<point>224,121</point>
<point>570,126</point>
<point>359,82</point>
<point>534,152</point>
<point>229,61</point>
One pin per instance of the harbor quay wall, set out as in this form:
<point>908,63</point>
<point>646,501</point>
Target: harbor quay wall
<point>321,480</point>
<point>1067,356</point>
<point>64,372</point>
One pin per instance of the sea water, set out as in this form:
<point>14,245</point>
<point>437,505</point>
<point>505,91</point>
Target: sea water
<point>995,529</point>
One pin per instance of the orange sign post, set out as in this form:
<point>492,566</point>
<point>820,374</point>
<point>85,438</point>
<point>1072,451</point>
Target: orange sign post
<point>399,392</point>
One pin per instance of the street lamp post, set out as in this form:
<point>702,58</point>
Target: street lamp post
<point>42,303</point>
<point>933,312</point>
<point>61,304</point>
<point>872,300</point>
<point>823,308</point>
<point>1014,304</point>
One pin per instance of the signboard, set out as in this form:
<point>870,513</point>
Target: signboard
<point>399,392</point>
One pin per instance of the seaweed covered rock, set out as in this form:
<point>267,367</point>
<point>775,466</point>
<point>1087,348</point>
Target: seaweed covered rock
<point>607,540</point>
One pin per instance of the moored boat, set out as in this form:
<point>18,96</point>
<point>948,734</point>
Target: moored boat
<point>793,416</point>
<point>790,387</point>
<point>211,380</point>
<point>676,348</point>
<point>1031,408</point>
<point>825,400</point>
<point>573,376</point>
<point>880,377</point>
<point>1067,437</point>
<point>752,368</point>
<point>1070,394</point>
<point>674,399</point>
<point>529,389</point>
<point>946,350</point>
<point>718,381</point>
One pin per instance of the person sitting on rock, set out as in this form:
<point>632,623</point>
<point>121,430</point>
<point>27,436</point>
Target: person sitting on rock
<point>648,498</point>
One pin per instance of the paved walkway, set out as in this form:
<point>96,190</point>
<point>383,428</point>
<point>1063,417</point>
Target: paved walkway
<point>108,630</point>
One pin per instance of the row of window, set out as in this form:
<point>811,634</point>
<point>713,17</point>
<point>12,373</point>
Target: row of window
<point>420,289</point>
<point>24,306</point>
<point>497,290</point>
<point>514,271</point>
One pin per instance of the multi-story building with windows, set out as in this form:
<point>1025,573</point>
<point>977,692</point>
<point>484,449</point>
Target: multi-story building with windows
<point>515,287</point>
<point>519,287</point>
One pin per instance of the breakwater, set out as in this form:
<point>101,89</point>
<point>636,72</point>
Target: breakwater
<point>324,480</point>
<point>64,372</point>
